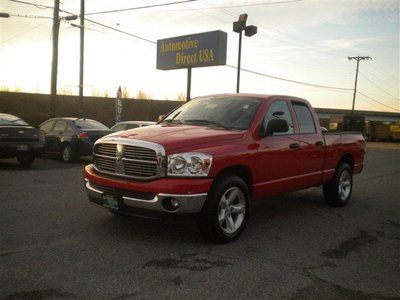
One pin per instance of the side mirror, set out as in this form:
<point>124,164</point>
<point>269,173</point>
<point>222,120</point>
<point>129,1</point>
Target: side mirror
<point>161,117</point>
<point>274,126</point>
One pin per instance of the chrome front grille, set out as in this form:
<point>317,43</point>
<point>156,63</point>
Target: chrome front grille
<point>104,163</point>
<point>140,153</point>
<point>129,158</point>
<point>106,149</point>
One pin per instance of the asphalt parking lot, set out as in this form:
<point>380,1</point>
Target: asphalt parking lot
<point>54,244</point>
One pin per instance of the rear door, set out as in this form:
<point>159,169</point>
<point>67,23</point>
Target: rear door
<point>47,128</point>
<point>312,147</point>
<point>58,134</point>
<point>278,158</point>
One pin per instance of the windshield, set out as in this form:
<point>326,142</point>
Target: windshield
<point>228,113</point>
<point>11,120</point>
<point>89,124</point>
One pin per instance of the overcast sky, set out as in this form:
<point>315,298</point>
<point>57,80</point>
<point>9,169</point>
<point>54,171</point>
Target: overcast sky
<point>304,40</point>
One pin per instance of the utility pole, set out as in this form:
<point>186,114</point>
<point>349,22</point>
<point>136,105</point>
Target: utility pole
<point>54,63</point>
<point>81,59</point>
<point>357,58</point>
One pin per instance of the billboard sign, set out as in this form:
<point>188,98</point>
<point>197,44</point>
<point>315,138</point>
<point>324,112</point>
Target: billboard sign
<point>194,50</point>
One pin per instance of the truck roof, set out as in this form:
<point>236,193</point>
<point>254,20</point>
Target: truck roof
<point>252,95</point>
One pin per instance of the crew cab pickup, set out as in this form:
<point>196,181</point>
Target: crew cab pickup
<point>215,154</point>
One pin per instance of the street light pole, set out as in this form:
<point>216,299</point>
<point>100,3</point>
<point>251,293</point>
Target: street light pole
<point>81,59</point>
<point>239,61</point>
<point>249,31</point>
<point>54,62</point>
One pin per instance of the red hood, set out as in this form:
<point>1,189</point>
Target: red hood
<point>178,136</point>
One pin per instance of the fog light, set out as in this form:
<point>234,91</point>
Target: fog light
<point>174,203</point>
<point>171,204</point>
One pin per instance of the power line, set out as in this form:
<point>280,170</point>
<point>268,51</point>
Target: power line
<point>92,21</point>
<point>377,101</point>
<point>121,31</point>
<point>30,16</point>
<point>377,86</point>
<point>306,48</point>
<point>41,6</point>
<point>373,104</point>
<point>234,6</point>
<point>23,32</point>
<point>382,70</point>
<point>139,7</point>
<point>292,81</point>
<point>387,82</point>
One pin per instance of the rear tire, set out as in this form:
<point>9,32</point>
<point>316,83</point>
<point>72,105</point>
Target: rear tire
<point>338,191</point>
<point>67,155</point>
<point>225,211</point>
<point>25,159</point>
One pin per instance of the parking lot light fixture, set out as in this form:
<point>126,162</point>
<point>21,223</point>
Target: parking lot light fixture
<point>249,31</point>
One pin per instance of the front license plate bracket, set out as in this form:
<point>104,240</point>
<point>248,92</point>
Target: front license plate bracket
<point>111,202</point>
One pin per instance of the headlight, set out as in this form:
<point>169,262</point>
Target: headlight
<point>189,164</point>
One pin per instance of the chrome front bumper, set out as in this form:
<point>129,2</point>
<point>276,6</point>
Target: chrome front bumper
<point>188,203</point>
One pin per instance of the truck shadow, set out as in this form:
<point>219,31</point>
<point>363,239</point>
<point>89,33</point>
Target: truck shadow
<point>264,214</point>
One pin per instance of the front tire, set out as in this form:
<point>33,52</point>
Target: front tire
<point>338,191</point>
<point>67,154</point>
<point>225,211</point>
<point>26,159</point>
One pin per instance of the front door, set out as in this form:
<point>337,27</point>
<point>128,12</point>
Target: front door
<point>278,157</point>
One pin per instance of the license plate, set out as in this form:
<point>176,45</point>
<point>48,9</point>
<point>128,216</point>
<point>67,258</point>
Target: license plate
<point>110,202</point>
<point>22,147</point>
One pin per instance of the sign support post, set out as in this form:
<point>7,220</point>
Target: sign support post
<point>189,83</point>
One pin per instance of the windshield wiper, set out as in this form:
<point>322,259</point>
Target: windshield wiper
<point>171,121</point>
<point>206,122</point>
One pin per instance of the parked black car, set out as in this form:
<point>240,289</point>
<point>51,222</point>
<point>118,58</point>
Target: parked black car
<point>71,138</point>
<point>19,139</point>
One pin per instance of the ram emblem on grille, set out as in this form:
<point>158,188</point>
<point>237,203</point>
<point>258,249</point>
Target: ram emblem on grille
<point>119,164</point>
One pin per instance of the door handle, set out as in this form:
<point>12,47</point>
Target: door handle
<point>294,145</point>
<point>319,143</point>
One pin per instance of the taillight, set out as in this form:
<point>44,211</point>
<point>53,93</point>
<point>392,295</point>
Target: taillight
<point>83,135</point>
<point>42,136</point>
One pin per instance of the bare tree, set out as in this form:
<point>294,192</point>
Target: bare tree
<point>181,97</point>
<point>143,95</point>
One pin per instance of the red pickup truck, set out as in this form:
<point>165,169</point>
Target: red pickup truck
<point>214,155</point>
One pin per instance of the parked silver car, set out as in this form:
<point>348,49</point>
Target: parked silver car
<point>130,125</point>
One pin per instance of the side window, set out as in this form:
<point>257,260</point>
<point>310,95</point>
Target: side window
<point>60,126</point>
<point>46,127</point>
<point>131,126</point>
<point>304,118</point>
<point>118,127</point>
<point>279,110</point>
<point>70,129</point>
